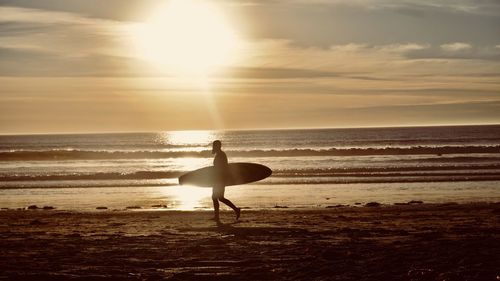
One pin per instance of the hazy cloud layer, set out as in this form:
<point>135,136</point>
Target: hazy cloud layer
<point>333,63</point>
<point>377,22</point>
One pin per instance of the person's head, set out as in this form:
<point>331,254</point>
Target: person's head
<point>216,146</point>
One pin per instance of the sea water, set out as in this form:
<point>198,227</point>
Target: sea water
<point>311,168</point>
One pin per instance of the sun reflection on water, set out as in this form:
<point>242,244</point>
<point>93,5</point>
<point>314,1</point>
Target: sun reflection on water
<point>189,198</point>
<point>188,138</point>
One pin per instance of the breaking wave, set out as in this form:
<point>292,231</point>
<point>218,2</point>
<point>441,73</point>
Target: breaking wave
<point>330,175</point>
<point>89,154</point>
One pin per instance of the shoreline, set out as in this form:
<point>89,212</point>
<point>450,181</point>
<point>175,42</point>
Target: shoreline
<point>396,242</point>
<point>466,178</point>
<point>224,208</point>
<point>251,196</point>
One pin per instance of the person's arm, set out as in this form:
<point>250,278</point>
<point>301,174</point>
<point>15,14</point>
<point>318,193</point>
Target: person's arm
<point>224,159</point>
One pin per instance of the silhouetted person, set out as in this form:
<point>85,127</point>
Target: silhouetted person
<point>221,166</point>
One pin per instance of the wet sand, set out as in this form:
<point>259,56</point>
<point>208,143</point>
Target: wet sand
<point>409,242</point>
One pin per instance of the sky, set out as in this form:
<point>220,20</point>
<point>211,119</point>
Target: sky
<point>148,65</point>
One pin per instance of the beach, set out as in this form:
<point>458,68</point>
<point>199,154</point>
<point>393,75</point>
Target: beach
<point>446,241</point>
<point>341,204</point>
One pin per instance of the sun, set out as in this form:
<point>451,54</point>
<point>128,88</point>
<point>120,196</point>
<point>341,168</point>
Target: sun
<point>186,37</point>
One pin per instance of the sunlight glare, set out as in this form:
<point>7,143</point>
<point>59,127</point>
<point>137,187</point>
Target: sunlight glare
<point>188,138</point>
<point>187,37</point>
<point>190,197</point>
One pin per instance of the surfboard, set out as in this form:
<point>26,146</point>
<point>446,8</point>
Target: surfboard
<point>236,174</point>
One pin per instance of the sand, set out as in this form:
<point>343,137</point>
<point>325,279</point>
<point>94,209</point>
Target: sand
<point>411,242</point>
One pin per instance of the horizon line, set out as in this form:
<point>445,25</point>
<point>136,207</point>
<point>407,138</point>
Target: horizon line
<point>254,129</point>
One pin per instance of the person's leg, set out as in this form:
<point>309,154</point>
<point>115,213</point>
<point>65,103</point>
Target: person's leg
<point>229,203</point>
<point>216,208</point>
<point>215,200</point>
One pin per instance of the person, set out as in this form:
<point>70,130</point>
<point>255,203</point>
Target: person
<point>221,166</point>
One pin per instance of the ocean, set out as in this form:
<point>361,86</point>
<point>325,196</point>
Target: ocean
<point>311,168</point>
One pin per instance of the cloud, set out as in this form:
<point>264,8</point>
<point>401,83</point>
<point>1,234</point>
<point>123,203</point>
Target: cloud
<point>374,22</point>
<point>31,62</point>
<point>319,23</point>
<point>117,10</point>
<point>453,113</point>
<point>278,73</point>
<point>457,46</point>
<point>38,62</point>
<point>36,42</point>
<point>462,6</point>
<point>458,51</point>
<point>25,24</point>
<point>315,63</point>
<point>71,44</point>
<point>378,60</point>
<point>9,29</point>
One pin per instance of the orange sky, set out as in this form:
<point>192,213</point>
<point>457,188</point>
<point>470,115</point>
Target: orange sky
<point>78,66</point>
